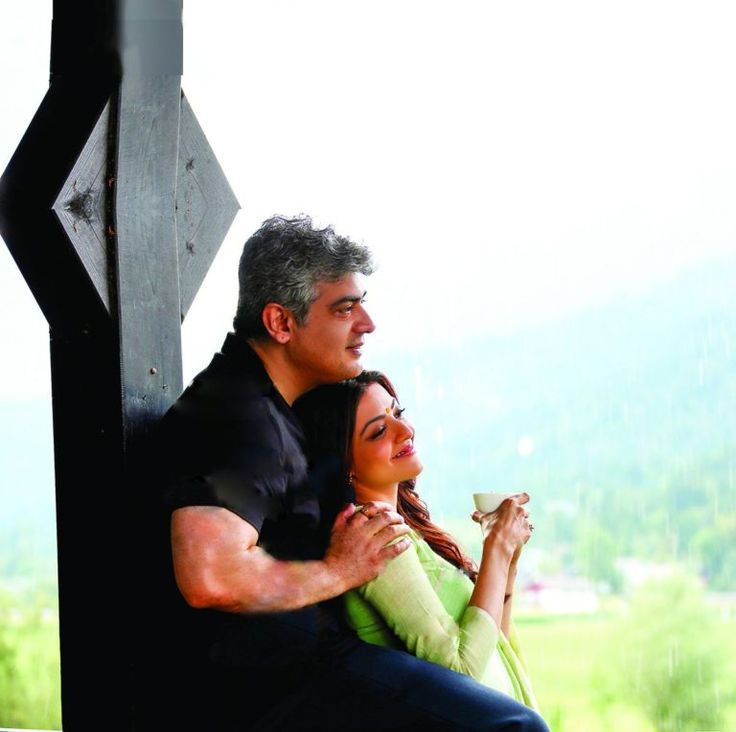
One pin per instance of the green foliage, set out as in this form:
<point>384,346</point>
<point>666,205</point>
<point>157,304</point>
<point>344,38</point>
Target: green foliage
<point>596,551</point>
<point>715,545</point>
<point>576,685</point>
<point>29,662</point>
<point>671,659</point>
<point>12,704</point>
<point>582,681</point>
<point>630,408</point>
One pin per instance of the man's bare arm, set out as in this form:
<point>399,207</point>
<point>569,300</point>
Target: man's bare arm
<point>219,566</point>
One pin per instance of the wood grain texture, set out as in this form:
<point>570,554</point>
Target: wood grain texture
<point>29,190</point>
<point>146,245</point>
<point>205,206</point>
<point>81,208</point>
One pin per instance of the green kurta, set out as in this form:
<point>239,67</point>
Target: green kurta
<point>420,603</point>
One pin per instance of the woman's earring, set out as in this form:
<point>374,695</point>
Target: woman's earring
<point>350,480</point>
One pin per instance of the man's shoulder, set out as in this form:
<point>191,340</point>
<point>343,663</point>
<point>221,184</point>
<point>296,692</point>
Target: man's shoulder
<point>233,383</point>
<point>224,406</point>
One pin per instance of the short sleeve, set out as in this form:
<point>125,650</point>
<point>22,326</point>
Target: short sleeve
<point>236,463</point>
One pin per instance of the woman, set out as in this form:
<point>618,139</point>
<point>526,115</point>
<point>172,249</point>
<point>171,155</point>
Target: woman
<point>430,600</point>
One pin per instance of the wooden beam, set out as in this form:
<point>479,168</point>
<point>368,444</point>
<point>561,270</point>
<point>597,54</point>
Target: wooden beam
<point>98,206</point>
<point>205,206</point>
<point>147,267</point>
<point>88,210</point>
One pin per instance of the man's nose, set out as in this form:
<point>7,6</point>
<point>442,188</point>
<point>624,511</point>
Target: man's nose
<point>364,324</point>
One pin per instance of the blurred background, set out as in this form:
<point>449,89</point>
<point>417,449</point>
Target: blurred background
<point>550,193</point>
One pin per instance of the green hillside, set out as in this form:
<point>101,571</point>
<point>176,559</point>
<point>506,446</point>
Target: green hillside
<point>620,422</point>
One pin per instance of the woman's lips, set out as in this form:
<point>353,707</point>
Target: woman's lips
<point>405,452</point>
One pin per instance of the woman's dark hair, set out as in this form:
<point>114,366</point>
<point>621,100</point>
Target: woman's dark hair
<point>327,414</point>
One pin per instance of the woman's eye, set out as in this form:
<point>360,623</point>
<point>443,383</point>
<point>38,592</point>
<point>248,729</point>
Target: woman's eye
<point>399,412</point>
<point>378,433</point>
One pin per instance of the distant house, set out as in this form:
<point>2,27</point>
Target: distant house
<point>558,596</point>
<point>635,572</point>
<point>724,602</point>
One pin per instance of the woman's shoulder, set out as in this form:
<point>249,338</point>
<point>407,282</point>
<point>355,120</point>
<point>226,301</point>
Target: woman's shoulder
<point>428,558</point>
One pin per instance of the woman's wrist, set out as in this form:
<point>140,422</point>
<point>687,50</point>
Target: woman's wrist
<point>511,579</point>
<point>496,549</point>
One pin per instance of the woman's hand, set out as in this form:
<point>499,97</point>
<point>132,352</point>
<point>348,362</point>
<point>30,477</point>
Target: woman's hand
<point>507,526</point>
<point>505,531</point>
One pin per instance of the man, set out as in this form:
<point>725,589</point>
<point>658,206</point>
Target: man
<point>254,641</point>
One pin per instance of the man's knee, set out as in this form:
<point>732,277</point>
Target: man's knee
<point>431,692</point>
<point>531,722</point>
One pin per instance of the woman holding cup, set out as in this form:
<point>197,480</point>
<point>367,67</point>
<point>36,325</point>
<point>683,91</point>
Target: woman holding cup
<point>431,600</point>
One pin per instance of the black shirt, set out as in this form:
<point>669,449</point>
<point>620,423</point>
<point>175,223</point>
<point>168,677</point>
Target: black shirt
<point>233,442</point>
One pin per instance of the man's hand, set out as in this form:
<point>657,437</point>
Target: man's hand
<point>218,564</point>
<point>360,543</point>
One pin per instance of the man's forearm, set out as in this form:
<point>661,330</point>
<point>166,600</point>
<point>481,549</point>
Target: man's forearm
<point>219,565</point>
<point>264,584</point>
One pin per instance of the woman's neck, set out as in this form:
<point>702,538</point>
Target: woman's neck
<point>386,494</point>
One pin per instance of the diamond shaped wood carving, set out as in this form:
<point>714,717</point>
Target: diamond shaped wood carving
<point>205,207</point>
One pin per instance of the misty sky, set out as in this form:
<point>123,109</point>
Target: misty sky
<point>508,163</point>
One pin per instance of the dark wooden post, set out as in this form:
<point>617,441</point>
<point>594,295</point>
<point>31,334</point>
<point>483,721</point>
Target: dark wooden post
<point>113,207</point>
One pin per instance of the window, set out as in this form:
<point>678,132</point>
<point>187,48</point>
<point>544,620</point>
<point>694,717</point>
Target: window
<point>549,190</point>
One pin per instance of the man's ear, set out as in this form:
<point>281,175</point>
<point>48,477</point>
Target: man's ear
<point>278,321</point>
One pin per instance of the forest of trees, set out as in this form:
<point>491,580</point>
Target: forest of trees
<point>620,422</point>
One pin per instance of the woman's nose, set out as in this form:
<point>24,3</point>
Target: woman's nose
<point>404,432</point>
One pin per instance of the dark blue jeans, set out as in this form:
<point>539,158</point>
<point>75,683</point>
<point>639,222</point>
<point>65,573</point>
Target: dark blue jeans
<point>374,689</point>
<point>271,673</point>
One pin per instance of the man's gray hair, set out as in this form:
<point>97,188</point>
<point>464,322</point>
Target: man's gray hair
<point>283,261</point>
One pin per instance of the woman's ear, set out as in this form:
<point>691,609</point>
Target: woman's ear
<point>278,322</point>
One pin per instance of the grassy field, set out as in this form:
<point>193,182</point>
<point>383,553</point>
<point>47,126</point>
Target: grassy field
<point>567,658</point>
<point>30,685</point>
<point>578,683</point>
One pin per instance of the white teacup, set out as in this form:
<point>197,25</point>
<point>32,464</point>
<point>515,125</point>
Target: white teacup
<point>489,501</point>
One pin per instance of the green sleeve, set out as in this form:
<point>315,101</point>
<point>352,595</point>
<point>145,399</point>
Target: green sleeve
<point>403,595</point>
<point>513,639</point>
<point>516,666</point>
